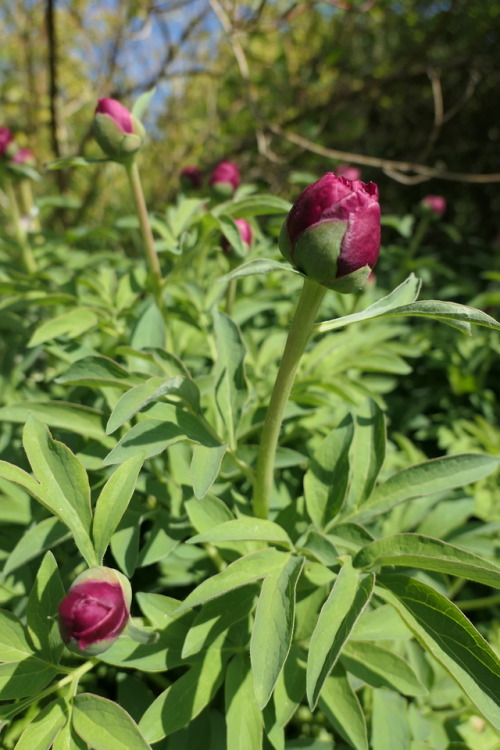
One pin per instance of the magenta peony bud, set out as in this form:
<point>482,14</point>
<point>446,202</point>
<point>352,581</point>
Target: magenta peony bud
<point>191,178</point>
<point>350,173</point>
<point>225,178</point>
<point>116,130</point>
<point>246,235</point>
<point>6,140</point>
<point>95,610</point>
<point>434,203</point>
<point>332,233</point>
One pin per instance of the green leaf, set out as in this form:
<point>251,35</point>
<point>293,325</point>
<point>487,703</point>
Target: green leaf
<point>367,450</point>
<point>428,478</point>
<point>26,677</point>
<point>290,686</point>
<point>14,644</point>
<point>205,467</point>
<point>341,706</point>
<point>348,598</point>
<point>258,266</point>
<point>43,602</point>
<point>450,638</point>
<point>327,479</point>
<point>81,420</point>
<point>104,725</point>
<point>113,502</point>
<point>405,293</point>
<point>98,372</point>
<point>71,324</point>
<point>243,717</point>
<point>154,435</point>
<point>72,161</point>
<point>158,543</point>
<point>163,654</point>
<point>418,551</point>
<point>185,698</point>
<point>140,396</point>
<point>380,624</point>
<point>446,311</point>
<point>149,330</point>
<point>37,539</point>
<point>273,627</point>
<point>44,728</point>
<point>390,726</point>
<point>380,667</point>
<point>247,569</point>
<point>64,487</point>
<point>207,513</point>
<point>217,616</point>
<point>244,529</point>
<point>255,205</point>
<point>67,739</point>
<point>142,103</point>
<point>230,385</point>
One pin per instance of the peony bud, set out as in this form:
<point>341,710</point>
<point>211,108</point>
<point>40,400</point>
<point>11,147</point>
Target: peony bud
<point>246,235</point>
<point>116,130</point>
<point>332,233</point>
<point>225,178</point>
<point>24,156</point>
<point>436,204</point>
<point>350,173</point>
<point>6,142</point>
<point>95,610</point>
<point>191,178</point>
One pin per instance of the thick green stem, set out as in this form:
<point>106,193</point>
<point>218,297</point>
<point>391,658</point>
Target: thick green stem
<point>230,295</point>
<point>300,331</point>
<point>27,257</point>
<point>418,236</point>
<point>28,204</point>
<point>147,234</point>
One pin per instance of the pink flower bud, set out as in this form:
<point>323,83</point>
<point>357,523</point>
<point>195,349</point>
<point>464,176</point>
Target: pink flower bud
<point>95,610</point>
<point>350,173</point>
<point>24,156</point>
<point>191,177</point>
<point>6,138</point>
<point>332,233</point>
<point>225,178</point>
<point>116,130</point>
<point>246,235</point>
<point>434,203</point>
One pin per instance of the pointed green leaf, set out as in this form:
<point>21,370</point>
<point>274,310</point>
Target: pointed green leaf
<point>418,551</point>
<point>205,467</point>
<point>258,266</point>
<point>185,698</point>
<point>367,450</point>
<point>230,385</point>
<point>245,570</point>
<point>436,475</point>
<point>64,486</point>
<point>243,717</point>
<point>140,396</point>
<point>142,103</point>
<point>43,602</point>
<point>98,372</point>
<point>450,638</point>
<point>390,725</point>
<point>273,627</point>
<point>380,667</point>
<point>341,706</point>
<point>14,644</point>
<point>37,539</point>
<point>27,677</point>
<point>290,686</point>
<point>348,598</point>
<point>327,479</point>
<point>113,502</point>
<point>71,324</point>
<point>82,420</point>
<point>44,728</point>
<point>446,311</point>
<point>244,529</point>
<point>104,725</point>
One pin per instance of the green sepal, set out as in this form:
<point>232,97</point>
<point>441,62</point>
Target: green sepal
<point>316,251</point>
<point>351,282</point>
<point>116,144</point>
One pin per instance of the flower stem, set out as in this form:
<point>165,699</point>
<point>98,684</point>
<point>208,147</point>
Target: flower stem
<point>147,234</point>
<point>298,336</point>
<point>27,257</point>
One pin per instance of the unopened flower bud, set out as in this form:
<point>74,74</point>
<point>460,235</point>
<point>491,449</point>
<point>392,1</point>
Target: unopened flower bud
<point>7,145</point>
<point>191,178</point>
<point>436,204</point>
<point>332,233</point>
<point>24,156</point>
<point>95,610</point>
<point>350,173</point>
<point>246,235</point>
<point>116,130</point>
<point>225,178</point>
